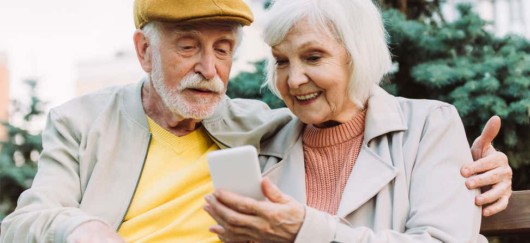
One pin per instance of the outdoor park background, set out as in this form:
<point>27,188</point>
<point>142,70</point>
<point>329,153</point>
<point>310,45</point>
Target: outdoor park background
<point>475,56</point>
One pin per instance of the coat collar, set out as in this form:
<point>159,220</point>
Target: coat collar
<point>372,170</point>
<point>384,115</point>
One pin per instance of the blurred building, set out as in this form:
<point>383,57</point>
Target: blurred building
<point>93,75</point>
<point>506,16</point>
<point>4,92</point>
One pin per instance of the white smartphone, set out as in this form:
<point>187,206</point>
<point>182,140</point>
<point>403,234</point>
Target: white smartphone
<point>236,170</point>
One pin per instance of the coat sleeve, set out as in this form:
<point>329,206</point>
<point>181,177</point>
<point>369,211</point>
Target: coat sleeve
<point>441,208</point>
<point>49,210</point>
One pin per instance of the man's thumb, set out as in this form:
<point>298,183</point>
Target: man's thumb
<point>490,131</point>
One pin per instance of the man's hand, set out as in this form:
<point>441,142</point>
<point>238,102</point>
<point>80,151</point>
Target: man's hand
<point>490,171</point>
<point>94,231</point>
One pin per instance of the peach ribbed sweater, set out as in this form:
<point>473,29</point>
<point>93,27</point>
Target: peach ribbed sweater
<point>329,156</point>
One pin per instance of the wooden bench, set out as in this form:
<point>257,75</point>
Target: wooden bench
<point>515,220</point>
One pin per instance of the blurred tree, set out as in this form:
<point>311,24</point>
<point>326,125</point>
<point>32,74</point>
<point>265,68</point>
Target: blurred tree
<point>457,62</point>
<point>479,73</point>
<point>415,9</point>
<point>19,152</point>
<point>249,85</point>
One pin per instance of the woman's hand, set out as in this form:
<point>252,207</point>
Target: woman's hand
<point>242,219</point>
<point>490,172</point>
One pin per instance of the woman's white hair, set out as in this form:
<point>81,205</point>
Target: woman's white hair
<point>357,24</point>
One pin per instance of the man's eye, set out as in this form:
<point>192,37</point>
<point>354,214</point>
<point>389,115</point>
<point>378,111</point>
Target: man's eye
<point>187,48</point>
<point>222,51</point>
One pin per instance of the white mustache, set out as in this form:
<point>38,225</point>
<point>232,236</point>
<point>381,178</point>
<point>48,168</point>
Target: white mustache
<point>197,81</point>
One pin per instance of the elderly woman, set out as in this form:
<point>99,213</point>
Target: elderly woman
<point>370,167</point>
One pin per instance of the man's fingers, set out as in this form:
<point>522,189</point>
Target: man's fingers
<point>495,193</point>
<point>493,161</point>
<point>496,207</point>
<point>489,178</point>
<point>490,131</point>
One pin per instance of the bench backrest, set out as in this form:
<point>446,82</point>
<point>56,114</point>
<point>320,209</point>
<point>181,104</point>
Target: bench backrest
<point>515,220</point>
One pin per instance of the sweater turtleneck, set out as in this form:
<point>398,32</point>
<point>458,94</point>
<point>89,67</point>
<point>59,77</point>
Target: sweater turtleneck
<point>329,155</point>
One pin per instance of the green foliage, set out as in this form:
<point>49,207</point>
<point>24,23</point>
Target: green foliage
<point>249,85</point>
<point>19,153</point>
<point>414,9</point>
<point>463,64</point>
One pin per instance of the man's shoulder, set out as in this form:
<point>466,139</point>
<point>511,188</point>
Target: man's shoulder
<point>93,102</point>
<point>243,121</point>
<point>250,110</point>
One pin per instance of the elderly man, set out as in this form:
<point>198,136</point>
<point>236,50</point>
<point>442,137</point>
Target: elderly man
<point>128,163</point>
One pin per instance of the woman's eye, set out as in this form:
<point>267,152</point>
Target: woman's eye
<point>281,63</point>
<point>313,58</point>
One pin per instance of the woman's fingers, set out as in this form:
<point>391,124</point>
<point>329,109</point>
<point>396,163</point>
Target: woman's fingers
<point>226,214</point>
<point>244,205</point>
<point>273,193</point>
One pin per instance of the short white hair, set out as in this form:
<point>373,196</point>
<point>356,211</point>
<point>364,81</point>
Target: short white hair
<point>356,24</point>
<point>152,32</point>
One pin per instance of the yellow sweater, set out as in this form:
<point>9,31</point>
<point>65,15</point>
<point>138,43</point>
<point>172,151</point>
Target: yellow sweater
<point>167,205</point>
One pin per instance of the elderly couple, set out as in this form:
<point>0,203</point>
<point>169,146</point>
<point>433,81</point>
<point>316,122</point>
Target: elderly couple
<point>354,163</point>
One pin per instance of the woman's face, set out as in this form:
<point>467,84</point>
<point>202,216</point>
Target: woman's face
<point>312,75</point>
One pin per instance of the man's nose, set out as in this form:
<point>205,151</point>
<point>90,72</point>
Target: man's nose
<point>206,65</point>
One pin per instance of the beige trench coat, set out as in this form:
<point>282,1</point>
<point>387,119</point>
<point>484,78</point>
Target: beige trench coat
<point>405,185</point>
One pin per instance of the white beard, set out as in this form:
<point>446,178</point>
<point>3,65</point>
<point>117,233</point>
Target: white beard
<point>185,104</point>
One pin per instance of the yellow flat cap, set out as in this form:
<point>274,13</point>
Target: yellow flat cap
<point>146,11</point>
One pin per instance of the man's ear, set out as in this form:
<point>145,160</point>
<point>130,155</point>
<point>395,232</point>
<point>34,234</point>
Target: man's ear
<point>143,50</point>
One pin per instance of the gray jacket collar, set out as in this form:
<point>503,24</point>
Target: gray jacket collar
<point>132,100</point>
<point>235,122</point>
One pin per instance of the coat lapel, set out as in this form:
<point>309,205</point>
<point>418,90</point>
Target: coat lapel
<point>369,175</point>
<point>293,174</point>
<point>373,170</point>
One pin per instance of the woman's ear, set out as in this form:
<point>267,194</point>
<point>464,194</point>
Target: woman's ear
<point>143,50</point>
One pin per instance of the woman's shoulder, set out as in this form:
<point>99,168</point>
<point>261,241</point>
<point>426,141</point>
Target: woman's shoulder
<point>417,108</point>
<point>388,113</point>
<point>407,108</point>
